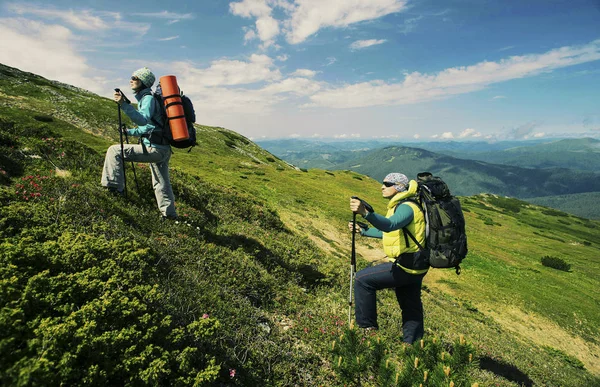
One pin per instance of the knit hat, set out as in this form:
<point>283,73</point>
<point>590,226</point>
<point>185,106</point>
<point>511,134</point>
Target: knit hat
<point>145,75</point>
<point>400,181</point>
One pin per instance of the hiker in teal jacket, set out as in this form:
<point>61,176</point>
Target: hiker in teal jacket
<point>150,149</point>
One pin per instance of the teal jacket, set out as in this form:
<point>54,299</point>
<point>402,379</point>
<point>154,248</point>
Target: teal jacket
<point>402,217</point>
<point>147,109</point>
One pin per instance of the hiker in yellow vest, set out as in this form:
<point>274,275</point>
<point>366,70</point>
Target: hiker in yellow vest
<point>405,268</point>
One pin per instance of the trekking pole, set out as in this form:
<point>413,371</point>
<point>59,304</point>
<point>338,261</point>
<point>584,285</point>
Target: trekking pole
<point>122,151</point>
<point>352,267</point>
<point>353,256</point>
<point>122,130</point>
<point>137,187</point>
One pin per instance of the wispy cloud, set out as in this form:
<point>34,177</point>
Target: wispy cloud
<point>418,87</point>
<point>410,25</point>
<point>506,48</point>
<point>499,97</point>
<point>304,18</point>
<point>169,38</point>
<point>166,15</point>
<point>330,60</point>
<point>310,16</point>
<point>357,45</point>
<point>83,20</point>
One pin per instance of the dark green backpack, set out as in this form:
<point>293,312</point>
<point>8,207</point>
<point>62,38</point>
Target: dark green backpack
<point>446,238</point>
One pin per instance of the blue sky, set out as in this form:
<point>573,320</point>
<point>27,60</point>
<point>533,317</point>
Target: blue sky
<point>426,70</point>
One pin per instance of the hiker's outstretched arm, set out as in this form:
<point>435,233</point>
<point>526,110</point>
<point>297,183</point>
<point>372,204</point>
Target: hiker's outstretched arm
<point>402,217</point>
<point>372,232</point>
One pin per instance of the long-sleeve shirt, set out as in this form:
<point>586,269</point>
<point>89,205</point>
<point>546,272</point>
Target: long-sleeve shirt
<point>402,217</point>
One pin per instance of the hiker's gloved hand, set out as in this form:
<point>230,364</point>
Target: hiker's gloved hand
<point>118,97</point>
<point>358,207</point>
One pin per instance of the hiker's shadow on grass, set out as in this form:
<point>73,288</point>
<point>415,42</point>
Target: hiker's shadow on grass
<point>310,275</point>
<point>507,371</point>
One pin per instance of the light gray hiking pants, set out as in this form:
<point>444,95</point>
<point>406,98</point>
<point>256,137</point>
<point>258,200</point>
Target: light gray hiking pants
<point>112,174</point>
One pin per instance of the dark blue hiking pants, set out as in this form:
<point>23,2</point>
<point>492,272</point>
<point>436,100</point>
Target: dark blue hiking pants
<point>408,294</point>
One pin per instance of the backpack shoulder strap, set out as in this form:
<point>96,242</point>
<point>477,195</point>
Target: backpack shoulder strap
<point>405,230</point>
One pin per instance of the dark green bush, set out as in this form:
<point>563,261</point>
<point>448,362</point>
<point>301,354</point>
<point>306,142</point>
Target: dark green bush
<point>508,204</point>
<point>43,118</point>
<point>555,263</point>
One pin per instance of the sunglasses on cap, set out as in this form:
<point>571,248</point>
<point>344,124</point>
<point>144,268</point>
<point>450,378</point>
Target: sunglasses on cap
<point>388,184</point>
<point>134,78</point>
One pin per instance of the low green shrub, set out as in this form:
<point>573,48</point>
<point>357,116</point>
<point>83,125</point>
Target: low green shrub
<point>555,263</point>
<point>361,358</point>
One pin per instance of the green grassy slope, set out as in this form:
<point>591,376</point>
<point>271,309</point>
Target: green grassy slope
<point>254,279</point>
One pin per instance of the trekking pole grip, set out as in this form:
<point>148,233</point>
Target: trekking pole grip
<point>367,205</point>
<point>123,95</point>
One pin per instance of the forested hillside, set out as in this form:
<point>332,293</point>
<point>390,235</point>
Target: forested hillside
<point>250,286</point>
<point>469,177</point>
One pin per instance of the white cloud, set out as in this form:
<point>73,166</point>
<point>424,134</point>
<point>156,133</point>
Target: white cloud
<point>357,45</point>
<point>85,20</point>
<point>310,16</point>
<point>266,27</point>
<point>297,86</point>
<point>539,135</point>
<point>169,38</point>
<point>172,16</point>
<point>447,136</point>
<point>304,73</point>
<point>253,86</point>
<point>469,133</point>
<point>307,17</point>
<point>50,52</point>
<point>418,87</point>
<point>352,135</point>
<point>499,97</point>
<point>226,72</point>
